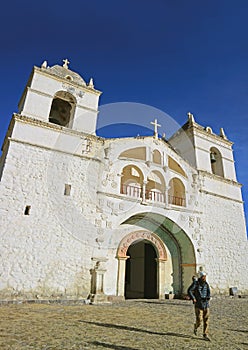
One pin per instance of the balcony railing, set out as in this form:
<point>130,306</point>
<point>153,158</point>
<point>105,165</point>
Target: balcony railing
<point>180,201</point>
<point>155,196</point>
<point>131,191</point>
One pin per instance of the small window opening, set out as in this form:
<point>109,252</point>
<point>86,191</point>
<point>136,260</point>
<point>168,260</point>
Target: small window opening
<point>68,77</point>
<point>67,191</point>
<point>27,210</point>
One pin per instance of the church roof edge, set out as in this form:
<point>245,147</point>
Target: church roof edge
<point>204,130</point>
<point>69,76</point>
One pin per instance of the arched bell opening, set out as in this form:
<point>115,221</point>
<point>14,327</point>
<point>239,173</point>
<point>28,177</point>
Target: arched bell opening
<point>216,162</point>
<point>62,109</point>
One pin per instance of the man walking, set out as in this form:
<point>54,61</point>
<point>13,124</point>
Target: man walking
<point>199,292</point>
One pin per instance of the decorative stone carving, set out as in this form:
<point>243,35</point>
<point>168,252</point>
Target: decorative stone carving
<point>97,281</point>
<point>100,240</point>
<point>182,217</point>
<point>144,235</point>
<point>121,206</point>
<point>191,221</point>
<point>101,202</point>
<point>191,118</point>
<point>209,130</point>
<point>104,182</point>
<point>106,152</point>
<point>72,90</point>
<point>110,204</point>
<point>91,84</point>
<point>86,146</point>
<point>44,64</point>
<point>109,224</point>
<point>98,222</point>
<point>222,133</point>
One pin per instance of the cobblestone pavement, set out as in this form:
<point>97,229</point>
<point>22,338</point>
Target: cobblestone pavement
<point>129,325</point>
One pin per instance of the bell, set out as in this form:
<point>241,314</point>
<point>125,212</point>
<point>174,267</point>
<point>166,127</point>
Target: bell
<point>212,157</point>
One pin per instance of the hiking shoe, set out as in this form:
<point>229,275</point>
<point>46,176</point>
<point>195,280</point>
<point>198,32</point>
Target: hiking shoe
<point>195,330</point>
<point>205,336</point>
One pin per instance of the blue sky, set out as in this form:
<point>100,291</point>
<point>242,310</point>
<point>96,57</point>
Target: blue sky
<point>176,56</point>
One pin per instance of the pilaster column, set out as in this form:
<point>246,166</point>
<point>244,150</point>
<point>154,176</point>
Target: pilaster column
<point>161,277</point>
<point>148,154</point>
<point>165,160</point>
<point>166,197</point>
<point>144,191</point>
<point>121,276</point>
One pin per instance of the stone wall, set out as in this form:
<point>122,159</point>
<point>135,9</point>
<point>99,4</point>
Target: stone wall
<point>47,252</point>
<point>224,248</point>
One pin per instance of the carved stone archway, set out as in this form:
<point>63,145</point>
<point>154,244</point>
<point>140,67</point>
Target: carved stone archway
<point>159,246</point>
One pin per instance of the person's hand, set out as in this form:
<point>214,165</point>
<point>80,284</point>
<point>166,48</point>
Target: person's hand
<point>194,301</point>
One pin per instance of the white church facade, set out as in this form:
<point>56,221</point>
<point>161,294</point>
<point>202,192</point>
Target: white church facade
<point>83,216</point>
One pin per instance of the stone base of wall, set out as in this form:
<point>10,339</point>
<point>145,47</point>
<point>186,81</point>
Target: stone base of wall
<point>115,298</point>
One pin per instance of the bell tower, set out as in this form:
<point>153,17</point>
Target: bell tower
<point>205,150</point>
<point>60,96</point>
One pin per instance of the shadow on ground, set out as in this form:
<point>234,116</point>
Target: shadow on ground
<point>133,329</point>
<point>170,303</point>
<point>112,346</point>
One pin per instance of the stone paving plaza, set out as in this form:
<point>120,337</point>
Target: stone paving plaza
<point>129,325</point>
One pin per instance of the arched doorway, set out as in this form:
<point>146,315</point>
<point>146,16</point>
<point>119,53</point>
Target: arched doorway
<point>176,260</point>
<point>142,258</point>
<point>141,271</point>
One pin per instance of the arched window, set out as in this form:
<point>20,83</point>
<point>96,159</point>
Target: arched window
<point>134,153</point>
<point>176,193</point>
<point>131,181</point>
<point>216,162</point>
<point>156,157</point>
<point>173,165</point>
<point>155,187</point>
<point>62,109</point>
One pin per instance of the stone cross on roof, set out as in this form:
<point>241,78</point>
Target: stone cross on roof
<point>156,125</point>
<point>66,62</point>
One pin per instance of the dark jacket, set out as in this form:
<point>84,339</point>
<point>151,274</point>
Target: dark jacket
<point>200,291</point>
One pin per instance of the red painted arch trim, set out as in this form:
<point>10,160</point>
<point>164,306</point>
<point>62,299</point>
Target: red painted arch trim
<point>142,235</point>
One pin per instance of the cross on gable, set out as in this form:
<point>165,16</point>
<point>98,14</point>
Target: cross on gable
<point>66,62</point>
<point>156,125</point>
